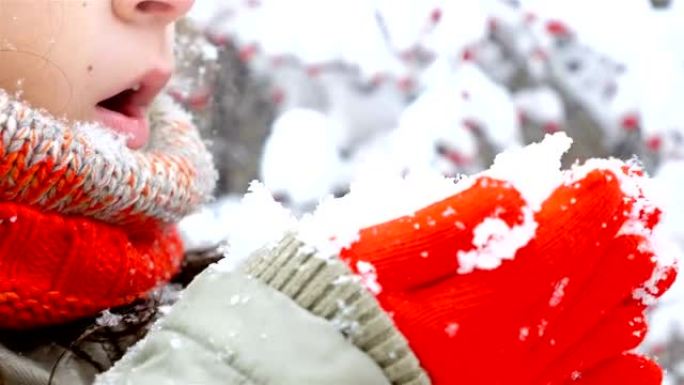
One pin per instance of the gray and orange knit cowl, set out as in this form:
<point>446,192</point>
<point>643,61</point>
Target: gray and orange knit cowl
<point>85,222</point>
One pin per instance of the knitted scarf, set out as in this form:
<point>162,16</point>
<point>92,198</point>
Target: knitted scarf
<point>85,222</point>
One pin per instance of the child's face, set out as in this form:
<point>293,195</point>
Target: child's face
<point>72,56</point>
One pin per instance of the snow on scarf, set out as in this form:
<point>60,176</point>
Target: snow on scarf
<point>85,222</point>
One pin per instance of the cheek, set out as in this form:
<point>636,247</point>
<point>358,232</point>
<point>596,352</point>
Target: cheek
<point>42,54</point>
<point>37,80</point>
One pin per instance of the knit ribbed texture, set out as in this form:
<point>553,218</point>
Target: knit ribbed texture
<point>83,169</point>
<point>83,218</point>
<point>328,289</point>
<point>59,268</point>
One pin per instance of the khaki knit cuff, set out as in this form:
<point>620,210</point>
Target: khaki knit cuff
<point>328,289</point>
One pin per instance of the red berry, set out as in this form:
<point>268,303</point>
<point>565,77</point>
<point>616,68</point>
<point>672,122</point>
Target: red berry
<point>472,125</point>
<point>377,79</point>
<point>654,143</point>
<point>277,61</point>
<point>631,122</point>
<point>248,52</point>
<point>199,99</point>
<point>278,96</point>
<point>436,15</point>
<point>468,54</point>
<point>219,40</point>
<point>540,54</point>
<point>551,127</point>
<point>406,84</point>
<point>557,28</point>
<point>314,70</point>
<point>492,24</point>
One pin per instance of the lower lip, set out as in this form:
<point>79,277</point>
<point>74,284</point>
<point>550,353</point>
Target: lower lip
<point>135,128</point>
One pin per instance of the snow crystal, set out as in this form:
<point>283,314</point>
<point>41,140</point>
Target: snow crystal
<point>495,241</point>
<point>259,221</point>
<point>452,329</point>
<point>534,170</point>
<point>211,225</point>
<point>344,319</point>
<point>448,212</point>
<point>667,317</point>
<point>541,328</point>
<point>647,195</point>
<point>109,319</point>
<point>12,219</point>
<point>576,375</point>
<point>336,222</point>
<point>108,143</point>
<point>176,343</point>
<point>559,292</point>
<point>369,277</point>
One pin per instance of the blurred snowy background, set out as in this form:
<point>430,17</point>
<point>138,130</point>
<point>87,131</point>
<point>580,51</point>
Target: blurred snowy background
<point>308,95</point>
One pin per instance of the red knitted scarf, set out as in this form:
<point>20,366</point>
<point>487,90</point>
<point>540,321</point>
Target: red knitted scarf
<point>86,223</point>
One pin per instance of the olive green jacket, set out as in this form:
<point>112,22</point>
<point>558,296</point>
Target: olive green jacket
<point>286,317</point>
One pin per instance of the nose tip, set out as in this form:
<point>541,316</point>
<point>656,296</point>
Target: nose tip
<point>167,11</point>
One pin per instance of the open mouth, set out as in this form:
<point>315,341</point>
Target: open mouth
<point>122,103</point>
<point>126,111</point>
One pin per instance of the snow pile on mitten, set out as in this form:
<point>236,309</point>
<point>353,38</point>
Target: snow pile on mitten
<point>525,275</point>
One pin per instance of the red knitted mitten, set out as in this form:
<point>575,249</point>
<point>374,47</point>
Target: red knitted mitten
<point>564,308</point>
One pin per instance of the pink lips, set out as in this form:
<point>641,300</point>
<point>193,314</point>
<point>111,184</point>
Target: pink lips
<point>133,125</point>
<point>126,111</point>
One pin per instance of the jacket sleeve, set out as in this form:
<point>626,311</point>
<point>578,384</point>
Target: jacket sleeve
<point>231,329</point>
